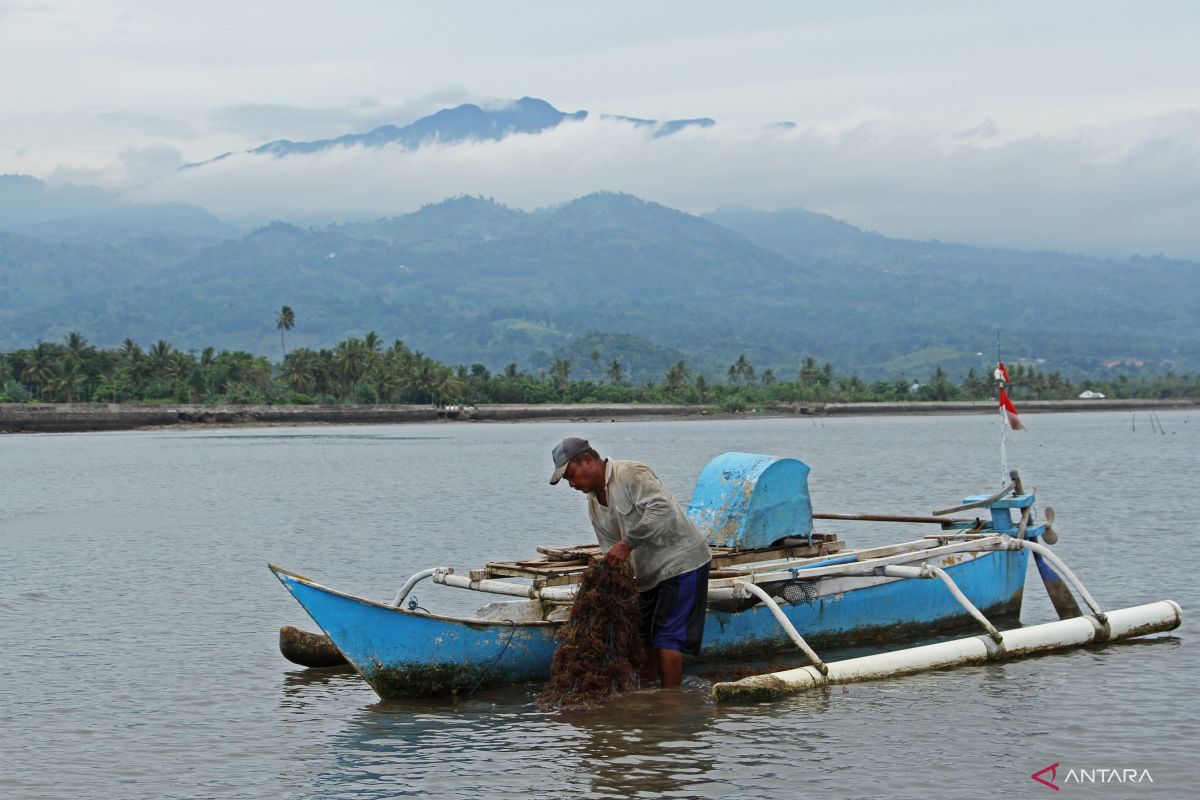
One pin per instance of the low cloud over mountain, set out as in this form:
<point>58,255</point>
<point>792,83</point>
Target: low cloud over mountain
<point>1112,191</point>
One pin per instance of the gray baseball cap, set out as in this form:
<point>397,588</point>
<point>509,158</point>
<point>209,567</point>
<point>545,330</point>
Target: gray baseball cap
<point>563,452</point>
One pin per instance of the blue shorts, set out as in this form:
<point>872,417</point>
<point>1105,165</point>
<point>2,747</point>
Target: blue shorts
<point>673,612</point>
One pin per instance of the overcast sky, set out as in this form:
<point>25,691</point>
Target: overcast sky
<point>1068,125</point>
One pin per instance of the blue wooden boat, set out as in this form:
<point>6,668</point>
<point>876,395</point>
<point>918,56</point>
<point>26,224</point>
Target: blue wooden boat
<point>758,516</point>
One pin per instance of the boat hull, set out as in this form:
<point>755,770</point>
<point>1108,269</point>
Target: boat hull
<point>403,653</point>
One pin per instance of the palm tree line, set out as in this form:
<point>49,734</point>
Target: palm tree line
<point>362,370</point>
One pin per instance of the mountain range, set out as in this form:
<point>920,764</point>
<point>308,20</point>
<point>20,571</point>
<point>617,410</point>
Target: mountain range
<point>606,276</point>
<point>465,122</point>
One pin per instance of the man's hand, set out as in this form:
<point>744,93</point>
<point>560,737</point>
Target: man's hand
<point>617,554</point>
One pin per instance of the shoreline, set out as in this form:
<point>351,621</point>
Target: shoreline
<point>82,417</point>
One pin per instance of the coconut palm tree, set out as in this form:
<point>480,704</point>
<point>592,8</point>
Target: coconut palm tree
<point>39,367</point>
<point>385,379</point>
<point>422,375</point>
<point>614,373</point>
<point>68,378</point>
<point>135,364</point>
<point>809,373</point>
<point>677,378</point>
<point>300,370</point>
<point>741,370</point>
<point>373,342</point>
<point>179,368</point>
<point>447,387</point>
<point>285,321</point>
<point>76,344</point>
<point>160,358</point>
<point>352,359</point>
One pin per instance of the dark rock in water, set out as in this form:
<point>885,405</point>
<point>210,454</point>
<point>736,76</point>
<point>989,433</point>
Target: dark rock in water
<point>600,646</point>
<point>309,649</point>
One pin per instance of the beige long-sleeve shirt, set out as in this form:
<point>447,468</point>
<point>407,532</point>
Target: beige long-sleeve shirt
<point>643,514</point>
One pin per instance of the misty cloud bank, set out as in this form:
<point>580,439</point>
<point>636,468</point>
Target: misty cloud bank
<point>1132,188</point>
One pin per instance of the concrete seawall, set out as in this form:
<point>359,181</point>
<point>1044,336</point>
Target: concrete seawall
<point>67,417</point>
<point>72,417</point>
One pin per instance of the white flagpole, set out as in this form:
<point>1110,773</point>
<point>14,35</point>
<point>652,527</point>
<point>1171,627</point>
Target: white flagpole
<point>999,376</point>
<point>1003,445</point>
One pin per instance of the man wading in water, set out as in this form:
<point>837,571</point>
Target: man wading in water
<point>636,518</point>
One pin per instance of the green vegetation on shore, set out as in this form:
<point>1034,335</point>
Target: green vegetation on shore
<point>365,371</point>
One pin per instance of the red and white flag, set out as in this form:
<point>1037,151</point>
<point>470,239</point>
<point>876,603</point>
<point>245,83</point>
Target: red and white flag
<point>1010,412</point>
<point>1007,409</point>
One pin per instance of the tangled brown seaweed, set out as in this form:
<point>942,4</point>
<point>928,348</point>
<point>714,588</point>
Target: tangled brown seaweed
<point>600,646</point>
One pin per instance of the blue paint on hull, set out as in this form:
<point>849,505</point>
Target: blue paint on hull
<point>882,613</point>
<point>403,653</point>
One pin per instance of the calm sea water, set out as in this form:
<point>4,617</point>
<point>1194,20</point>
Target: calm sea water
<point>140,621</point>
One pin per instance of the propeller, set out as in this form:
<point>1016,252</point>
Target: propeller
<point>1049,537</point>
<point>1060,596</point>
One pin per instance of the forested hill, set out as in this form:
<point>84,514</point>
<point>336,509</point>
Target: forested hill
<point>1073,311</point>
<point>469,280</point>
